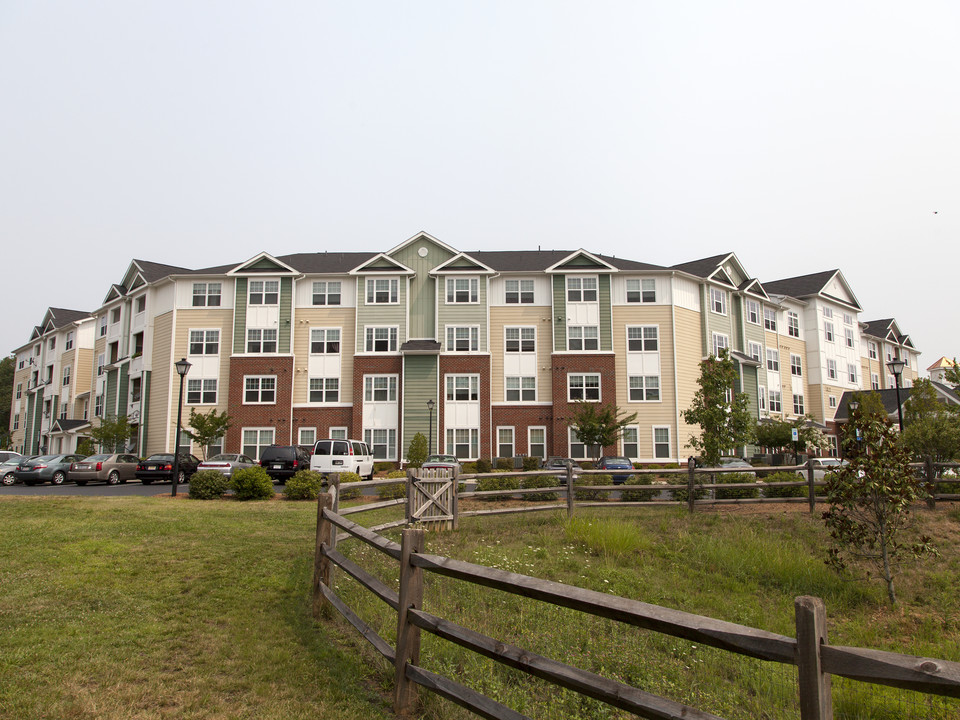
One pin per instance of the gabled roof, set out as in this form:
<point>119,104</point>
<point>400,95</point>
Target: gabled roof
<point>814,285</point>
<point>753,286</point>
<point>262,263</point>
<point>114,293</point>
<point>381,262</point>
<point>69,425</point>
<point>152,271</point>
<point>419,237</point>
<point>539,260</point>
<point>887,329</point>
<point>463,263</point>
<point>718,268</point>
<point>889,398</point>
<point>581,260</point>
<point>944,363</point>
<point>326,263</point>
<point>56,318</point>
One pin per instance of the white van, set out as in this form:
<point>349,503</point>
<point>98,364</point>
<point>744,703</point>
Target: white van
<point>341,456</point>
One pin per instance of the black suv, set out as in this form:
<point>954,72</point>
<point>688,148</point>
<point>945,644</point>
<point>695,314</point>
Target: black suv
<point>284,461</point>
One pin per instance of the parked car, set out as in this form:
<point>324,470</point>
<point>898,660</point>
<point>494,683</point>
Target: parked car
<point>159,467</point>
<point>560,463</point>
<point>616,462</point>
<point>342,456</point>
<point>7,469</point>
<point>284,461</point>
<point>226,463</point>
<point>9,455</point>
<point>111,468</point>
<point>442,462</point>
<point>824,465</point>
<point>45,468</point>
<point>738,464</point>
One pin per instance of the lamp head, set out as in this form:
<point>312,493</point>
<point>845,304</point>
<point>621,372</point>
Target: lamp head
<point>182,366</point>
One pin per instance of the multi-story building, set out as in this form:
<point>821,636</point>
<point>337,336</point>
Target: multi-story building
<point>884,342</point>
<point>503,344</point>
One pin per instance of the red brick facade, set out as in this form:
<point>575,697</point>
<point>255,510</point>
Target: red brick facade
<point>563,365</point>
<point>323,418</point>
<point>521,418</point>
<point>467,365</point>
<point>374,365</point>
<point>276,415</point>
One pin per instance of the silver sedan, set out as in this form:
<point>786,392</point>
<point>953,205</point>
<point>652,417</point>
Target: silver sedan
<point>226,463</point>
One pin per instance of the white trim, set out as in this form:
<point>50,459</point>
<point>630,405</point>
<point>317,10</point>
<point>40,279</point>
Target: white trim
<point>555,268</point>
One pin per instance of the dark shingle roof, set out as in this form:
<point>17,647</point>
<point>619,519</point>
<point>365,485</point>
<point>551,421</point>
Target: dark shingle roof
<point>878,328</point>
<point>63,317</point>
<point>157,271</point>
<point>802,286</point>
<point>704,267</point>
<point>539,260</point>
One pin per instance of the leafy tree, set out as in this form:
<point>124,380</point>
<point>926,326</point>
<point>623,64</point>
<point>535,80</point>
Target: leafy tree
<point>774,434</point>
<point>85,446</point>
<point>208,428</point>
<point>952,375</point>
<point>417,453</point>
<point>719,410</point>
<point>930,426</point>
<point>870,498</point>
<point>112,433</point>
<point>599,426</point>
<point>6,396</point>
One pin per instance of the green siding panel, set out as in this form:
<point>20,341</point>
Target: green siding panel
<point>110,399</point>
<point>423,288</point>
<point>382,314</point>
<point>464,313</point>
<point>267,265</point>
<point>240,316</point>
<point>420,373</point>
<point>29,425</point>
<point>606,318</point>
<point>123,390</point>
<point>559,312</point>
<point>144,412</point>
<point>286,305</point>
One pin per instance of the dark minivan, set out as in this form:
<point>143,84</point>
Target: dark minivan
<point>284,461</point>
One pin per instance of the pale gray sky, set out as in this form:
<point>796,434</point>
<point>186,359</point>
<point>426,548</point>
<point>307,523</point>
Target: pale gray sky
<point>803,137</point>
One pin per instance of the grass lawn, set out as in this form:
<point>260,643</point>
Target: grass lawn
<point>153,608</point>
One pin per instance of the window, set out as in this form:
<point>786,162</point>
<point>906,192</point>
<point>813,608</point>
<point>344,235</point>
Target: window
<point>583,337</point>
<point>101,361</point>
<point>521,389</point>
<point>206,294</point>
<point>770,319</point>
<point>16,421</point>
<point>338,433</point>
<point>755,350</point>
<point>828,331</point>
<point>852,372</point>
<point>773,360</point>
<point>307,436</point>
<point>718,301</point>
<point>324,390</point>
<point>86,409</point>
<point>380,388</point>
<point>462,290</point>
<point>66,375</point>
<point>753,312</point>
<point>641,290</point>
<point>579,450</point>
<point>720,342</point>
<point>793,324</point>
<point>762,398</point>
<point>135,389</point>
<point>204,342</point>
<point>872,350</point>
<point>463,339</point>
<point>847,319</point>
<point>644,388</point>
<point>519,291</point>
<point>381,290</point>
<point>661,442</point>
<point>583,387</point>
<point>828,312</point>
<point>103,327</point>
<point>798,404</point>
<point>581,289</point>
<point>381,339</point>
<point>68,345</point>
<point>138,344</point>
<point>63,411</point>
<point>848,334</point>
<point>520,339</point>
<point>202,391</point>
<point>537,442</point>
<point>264,292</point>
<point>325,341</point>
<point>631,444</point>
<point>463,442</point>
<point>643,338</point>
<point>775,401</point>
<point>259,390</point>
<point>19,390</point>
<point>796,366</point>
<point>463,388</point>
<point>832,401</point>
<point>140,304</point>
<point>874,381</point>
<point>261,340</point>
<point>114,319</point>
<point>255,440</point>
<point>326,292</point>
<point>98,406</point>
<point>831,369</point>
<point>505,442</point>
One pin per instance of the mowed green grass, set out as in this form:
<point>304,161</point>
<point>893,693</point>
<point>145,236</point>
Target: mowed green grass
<point>154,608</point>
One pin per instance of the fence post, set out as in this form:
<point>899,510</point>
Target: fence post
<point>408,634</point>
<point>691,481</point>
<point>455,500</point>
<point>411,476</point>
<point>931,482</point>
<point>816,701</point>
<point>322,567</point>
<point>334,482</point>
<point>811,490</point>
<point>569,490</point>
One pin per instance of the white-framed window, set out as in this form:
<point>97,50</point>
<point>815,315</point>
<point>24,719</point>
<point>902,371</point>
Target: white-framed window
<point>98,406</point>
<point>847,319</point>
<point>828,331</point>
<point>874,381</point>
<point>505,442</point>
<point>773,360</point>
<point>643,338</point>
<point>326,292</point>
<point>463,388</point>
<point>255,440</point>
<point>578,449</point>
<point>140,304</point>
<point>581,289</point>
<point>827,312</point>
<point>644,388</point>
<point>755,350</point>
<point>774,396</point>
<point>68,345</point>
<point>338,433</point>
<point>464,443</point>
<point>462,290</point>
<point>832,401</point>
<point>261,340</point>
<point>114,319</point>
<point>798,404</point>
<point>831,369</point>
<point>796,365</point>
<point>259,390</point>
<point>19,390</point>
<point>324,390</point>
<point>206,294</point>
<point>381,339</point>
<point>718,301</point>
<point>641,290</point>
<point>63,411</point>
<point>382,291</point>
<point>753,312</point>
<point>583,387</point>
<point>101,361</point>
<point>324,341</point>
<point>720,342</point>
<point>661,441</point>
<point>630,441</point>
<point>848,335</point>
<point>762,398</point>
<point>520,339</point>
<point>380,388</point>
<point>770,319</point>
<point>793,324</point>
<point>264,292</point>
<point>520,389</point>
<point>307,436</point>
<point>103,327</point>
<point>537,442</point>
<point>889,354</point>
<point>204,342</point>
<point>202,391</point>
<point>67,369</point>
<point>86,409</point>
<point>519,292</point>
<point>583,337</point>
<point>852,372</point>
<point>382,442</point>
<point>465,338</point>
<point>872,350</point>
<point>16,421</point>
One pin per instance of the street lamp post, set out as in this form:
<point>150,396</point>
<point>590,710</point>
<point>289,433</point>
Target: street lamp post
<point>852,407</point>
<point>896,367</point>
<point>430,405</point>
<point>182,367</point>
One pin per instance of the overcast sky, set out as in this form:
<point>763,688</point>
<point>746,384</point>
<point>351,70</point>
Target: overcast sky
<point>802,137</point>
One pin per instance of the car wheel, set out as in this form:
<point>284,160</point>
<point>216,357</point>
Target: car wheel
<point>370,476</point>
<point>113,478</point>
<point>8,479</point>
<point>181,477</point>
<point>58,478</point>
<point>81,483</point>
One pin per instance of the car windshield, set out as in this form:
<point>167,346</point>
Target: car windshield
<point>618,461</point>
<point>442,458</point>
<point>98,458</point>
<point>222,458</point>
<point>160,458</point>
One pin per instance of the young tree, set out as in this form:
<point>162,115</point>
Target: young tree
<point>207,429</point>
<point>6,395</point>
<point>952,375</point>
<point>112,433</point>
<point>599,426</point>
<point>719,410</point>
<point>870,498</point>
<point>417,454</point>
<point>930,427</point>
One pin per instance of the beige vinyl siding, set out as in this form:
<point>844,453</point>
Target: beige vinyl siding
<point>206,319</point>
<point>787,346</point>
<point>515,316</point>
<point>689,353</point>
<point>818,401</point>
<point>323,317</point>
<point>158,413</point>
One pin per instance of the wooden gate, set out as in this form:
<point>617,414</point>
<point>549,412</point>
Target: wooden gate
<point>432,497</point>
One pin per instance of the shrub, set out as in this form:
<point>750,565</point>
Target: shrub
<point>591,480</point>
<point>628,495</point>
<point>484,466</point>
<point>251,483</point>
<point>531,463</point>
<point>682,495</point>
<point>586,465</point>
<point>540,481</point>
<point>417,452</point>
<point>505,464</point>
<point>736,493</point>
<point>384,467</point>
<point>397,474</point>
<point>351,492</point>
<point>493,481</point>
<point>784,492</point>
<point>397,490</point>
<point>208,485</point>
<point>469,468</point>
<point>305,485</point>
